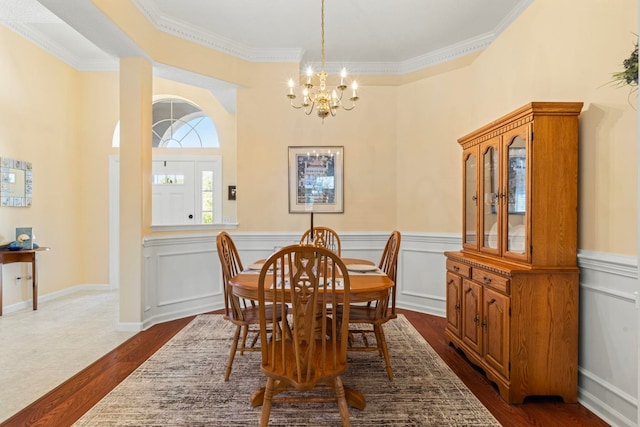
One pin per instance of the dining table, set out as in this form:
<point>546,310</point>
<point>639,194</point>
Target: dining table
<point>367,283</point>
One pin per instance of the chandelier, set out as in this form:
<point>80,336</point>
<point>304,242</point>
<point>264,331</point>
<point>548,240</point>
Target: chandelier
<point>319,97</point>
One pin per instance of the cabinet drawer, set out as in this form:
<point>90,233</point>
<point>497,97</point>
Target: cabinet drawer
<point>459,268</point>
<point>491,280</point>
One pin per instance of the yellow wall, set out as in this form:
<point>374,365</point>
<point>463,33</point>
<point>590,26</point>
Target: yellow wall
<point>402,162</point>
<point>136,81</point>
<point>38,123</point>
<point>98,115</point>
<point>574,61</point>
<point>552,52</point>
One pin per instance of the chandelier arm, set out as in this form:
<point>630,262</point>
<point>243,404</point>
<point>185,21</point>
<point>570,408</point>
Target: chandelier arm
<point>348,108</point>
<point>308,112</point>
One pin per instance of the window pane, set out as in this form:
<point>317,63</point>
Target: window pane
<point>207,181</point>
<point>207,197</point>
<point>207,201</point>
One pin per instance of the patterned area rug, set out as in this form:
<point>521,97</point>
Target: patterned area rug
<point>182,385</point>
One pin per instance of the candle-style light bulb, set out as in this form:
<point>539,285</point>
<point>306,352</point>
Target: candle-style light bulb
<point>291,86</point>
<point>343,74</point>
<point>309,74</point>
<point>354,86</point>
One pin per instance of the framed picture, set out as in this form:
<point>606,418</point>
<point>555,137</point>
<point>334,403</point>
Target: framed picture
<point>316,179</point>
<point>16,182</point>
<point>24,237</point>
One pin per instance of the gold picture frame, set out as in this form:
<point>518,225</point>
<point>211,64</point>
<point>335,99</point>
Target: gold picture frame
<point>316,179</point>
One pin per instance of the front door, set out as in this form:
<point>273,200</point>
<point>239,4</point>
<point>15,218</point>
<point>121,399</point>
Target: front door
<point>173,201</point>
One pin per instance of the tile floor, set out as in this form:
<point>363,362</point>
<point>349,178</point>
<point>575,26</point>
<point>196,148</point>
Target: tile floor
<point>41,349</point>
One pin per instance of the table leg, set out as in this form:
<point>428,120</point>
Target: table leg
<point>355,398</point>
<point>34,276</point>
<point>257,397</point>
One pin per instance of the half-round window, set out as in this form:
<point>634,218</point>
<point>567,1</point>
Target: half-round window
<point>178,124</point>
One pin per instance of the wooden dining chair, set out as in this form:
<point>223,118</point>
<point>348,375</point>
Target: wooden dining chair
<point>380,311</point>
<point>241,312</point>
<point>312,359</point>
<point>324,237</point>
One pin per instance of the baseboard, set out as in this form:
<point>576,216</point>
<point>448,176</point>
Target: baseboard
<point>174,315</point>
<point>54,295</point>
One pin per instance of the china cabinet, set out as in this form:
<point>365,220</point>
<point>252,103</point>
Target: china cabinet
<point>512,290</point>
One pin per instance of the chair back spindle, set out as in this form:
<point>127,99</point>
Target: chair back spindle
<point>389,265</point>
<point>231,265</point>
<point>323,237</point>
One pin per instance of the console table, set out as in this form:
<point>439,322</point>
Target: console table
<point>25,255</point>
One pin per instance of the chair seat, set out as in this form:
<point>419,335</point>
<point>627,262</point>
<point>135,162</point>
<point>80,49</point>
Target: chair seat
<point>288,372</point>
<point>252,314</point>
<point>365,314</point>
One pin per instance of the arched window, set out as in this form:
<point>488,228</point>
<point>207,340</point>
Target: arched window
<point>180,124</point>
<point>177,123</point>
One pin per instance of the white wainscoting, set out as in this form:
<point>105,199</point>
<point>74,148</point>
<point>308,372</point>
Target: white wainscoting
<point>182,277</point>
<point>608,356</point>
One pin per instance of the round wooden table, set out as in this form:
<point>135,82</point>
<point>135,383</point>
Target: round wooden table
<point>364,286</point>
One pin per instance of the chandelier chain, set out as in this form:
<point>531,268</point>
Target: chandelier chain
<point>322,26</point>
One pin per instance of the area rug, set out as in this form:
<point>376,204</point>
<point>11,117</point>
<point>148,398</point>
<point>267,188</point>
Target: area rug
<point>183,385</point>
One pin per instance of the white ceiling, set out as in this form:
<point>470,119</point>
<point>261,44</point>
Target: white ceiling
<point>367,36</point>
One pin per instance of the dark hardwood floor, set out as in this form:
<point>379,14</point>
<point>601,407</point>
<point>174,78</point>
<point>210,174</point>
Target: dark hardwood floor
<point>69,401</point>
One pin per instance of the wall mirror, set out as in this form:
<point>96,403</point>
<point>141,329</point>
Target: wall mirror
<point>16,183</point>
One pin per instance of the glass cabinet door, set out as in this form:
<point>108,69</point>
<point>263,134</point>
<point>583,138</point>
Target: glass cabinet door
<point>470,208</point>
<point>490,198</point>
<point>516,191</point>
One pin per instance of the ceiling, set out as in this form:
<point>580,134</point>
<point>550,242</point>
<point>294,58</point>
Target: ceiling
<point>367,36</point>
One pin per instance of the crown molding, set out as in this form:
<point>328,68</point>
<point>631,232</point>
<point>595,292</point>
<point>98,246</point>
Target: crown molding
<point>241,51</point>
<point>215,41</point>
<point>447,54</point>
<point>61,52</point>
<point>250,54</point>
